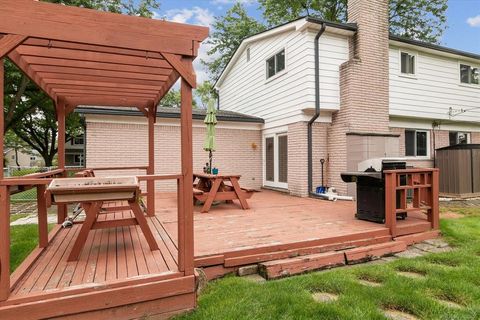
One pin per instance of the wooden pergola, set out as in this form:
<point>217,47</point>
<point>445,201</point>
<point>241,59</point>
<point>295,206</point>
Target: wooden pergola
<point>85,57</point>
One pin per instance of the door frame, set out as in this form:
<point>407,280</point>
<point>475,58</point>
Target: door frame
<point>273,134</point>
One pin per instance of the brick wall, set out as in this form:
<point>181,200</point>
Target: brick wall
<point>364,84</point>
<point>124,144</point>
<point>298,156</point>
<point>298,159</point>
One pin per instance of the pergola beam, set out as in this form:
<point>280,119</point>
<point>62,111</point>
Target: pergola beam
<point>185,71</point>
<point>25,67</point>
<point>103,73</point>
<point>56,62</point>
<point>80,92</point>
<point>106,101</point>
<point>83,55</point>
<point>53,82</point>
<point>9,42</point>
<point>59,87</point>
<point>50,21</point>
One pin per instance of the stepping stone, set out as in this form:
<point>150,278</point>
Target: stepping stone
<point>449,304</point>
<point>398,315</point>
<point>324,297</point>
<point>440,249</point>
<point>424,246</point>
<point>254,278</point>
<point>410,253</point>
<point>370,283</point>
<point>439,243</point>
<point>412,275</point>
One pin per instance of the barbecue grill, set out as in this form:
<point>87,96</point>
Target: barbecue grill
<point>370,181</point>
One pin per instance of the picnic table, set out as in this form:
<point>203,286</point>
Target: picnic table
<point>91,193</point>
<point>219,187</point>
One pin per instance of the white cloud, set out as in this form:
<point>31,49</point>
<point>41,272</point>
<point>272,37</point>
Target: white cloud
<point>474,21</point>
<point>198,16</point>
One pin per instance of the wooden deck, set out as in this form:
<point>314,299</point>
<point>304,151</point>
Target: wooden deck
<point>276,227</point>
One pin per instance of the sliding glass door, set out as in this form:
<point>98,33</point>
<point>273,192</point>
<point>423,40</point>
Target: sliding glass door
<point>276,161</point>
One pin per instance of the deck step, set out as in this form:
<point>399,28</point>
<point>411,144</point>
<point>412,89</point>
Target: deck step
<point>293,253</point>
<point>297,265</point>
<point>287,267</point>
<point>367,253</point>
<point>418,237</point>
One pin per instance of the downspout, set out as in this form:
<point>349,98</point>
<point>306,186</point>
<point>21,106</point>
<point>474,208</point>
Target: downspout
<point>317,111</point>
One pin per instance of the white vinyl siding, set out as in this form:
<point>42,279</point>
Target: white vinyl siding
<point>435,89</point>
<point>245,88</point>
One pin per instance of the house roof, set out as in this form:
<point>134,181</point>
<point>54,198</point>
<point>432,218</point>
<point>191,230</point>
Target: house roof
<point>169,113</point>
<point>347,27</point>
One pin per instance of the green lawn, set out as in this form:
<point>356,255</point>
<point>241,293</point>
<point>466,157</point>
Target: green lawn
<point>24,239</point>
<point>452,276</point>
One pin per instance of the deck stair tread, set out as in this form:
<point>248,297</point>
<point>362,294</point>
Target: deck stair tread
<point>296,265</point>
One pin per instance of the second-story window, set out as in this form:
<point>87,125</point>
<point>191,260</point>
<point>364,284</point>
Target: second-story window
<point>407,63</point>
<point>276,63</point>
<point>469,74</point>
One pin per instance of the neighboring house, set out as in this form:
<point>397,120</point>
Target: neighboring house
<point>75,152</point>
<point>118,137</point>
<point>379,95</point>
<point>23,159</point>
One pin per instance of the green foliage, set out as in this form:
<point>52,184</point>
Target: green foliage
<point>173,99</point>
<point>415,19</point>
<point>204,93</point>
<point>228,32</point>
<point>451,276</point>
<point>142,8</point>
<point>24,171</point>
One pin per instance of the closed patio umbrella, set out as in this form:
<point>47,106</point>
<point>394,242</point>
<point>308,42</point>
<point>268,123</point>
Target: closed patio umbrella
<point>210,121</point>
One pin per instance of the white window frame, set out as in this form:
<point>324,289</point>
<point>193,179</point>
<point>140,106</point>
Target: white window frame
<point>275,183</point>
<point>248,54</point>
<point>469,136</point>
<point>415,67</point>
<point>471,65</point>
<point>279,73</point>
<point>427,157</point>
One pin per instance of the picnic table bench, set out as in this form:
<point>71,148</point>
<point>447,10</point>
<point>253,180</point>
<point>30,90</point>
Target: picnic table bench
<point>212,187</point>
<point>91,193</point>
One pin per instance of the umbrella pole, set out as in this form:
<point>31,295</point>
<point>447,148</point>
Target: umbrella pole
<point>210,158</point>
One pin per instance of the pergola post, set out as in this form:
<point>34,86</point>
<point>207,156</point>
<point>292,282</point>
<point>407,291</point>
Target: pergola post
<point>4,211</point>
<point>61,208</point>
<point>151,162</point>
<point>185,223</point>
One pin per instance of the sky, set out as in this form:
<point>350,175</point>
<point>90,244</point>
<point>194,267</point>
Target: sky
<point>463,21</point>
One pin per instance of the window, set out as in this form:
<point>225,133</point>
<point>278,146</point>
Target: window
<point>78,159</point>
<point>459,137</point>
<point>407,62</point>
<point>416,143</point>
<point>276,64</point>
<point>248,54</point>
<point>77,141</point>
<point>469,74</point>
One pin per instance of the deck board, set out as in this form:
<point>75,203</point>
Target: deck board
<point>275,222</point>
<point>109,255</point>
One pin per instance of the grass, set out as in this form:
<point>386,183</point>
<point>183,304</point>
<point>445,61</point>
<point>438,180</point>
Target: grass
<point>451,276</point>
<point>23,239</point>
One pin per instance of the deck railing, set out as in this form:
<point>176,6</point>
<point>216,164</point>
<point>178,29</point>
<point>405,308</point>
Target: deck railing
<point>40,181</point>
<point>424,186</point>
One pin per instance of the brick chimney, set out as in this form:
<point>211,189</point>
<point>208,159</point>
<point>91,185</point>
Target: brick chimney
<point>360,129</point>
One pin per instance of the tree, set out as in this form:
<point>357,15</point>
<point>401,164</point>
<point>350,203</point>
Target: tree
<point>204,93</point>
<point>228,33</point>
<point>29,112</point>
<point>12,141</point>
<point>173,99</point>
<point>415,19</point>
